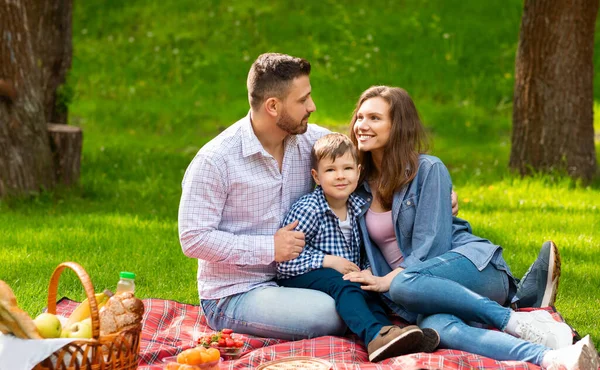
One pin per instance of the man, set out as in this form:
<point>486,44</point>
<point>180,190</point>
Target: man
<point>235,194</point>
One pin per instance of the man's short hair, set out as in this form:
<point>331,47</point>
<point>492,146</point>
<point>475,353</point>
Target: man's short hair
<point>271,75</point>
<point>332,146</point>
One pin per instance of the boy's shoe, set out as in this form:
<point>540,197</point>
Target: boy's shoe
<point>394,341</point>
<point>429,343</point>
<point>539,285</point>
<point>539,327</point>
<point>579,356</point>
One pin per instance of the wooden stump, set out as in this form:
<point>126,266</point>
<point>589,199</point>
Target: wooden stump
<point>66,142</point>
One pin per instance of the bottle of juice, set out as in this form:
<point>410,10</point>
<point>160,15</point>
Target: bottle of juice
<point>126,282</point>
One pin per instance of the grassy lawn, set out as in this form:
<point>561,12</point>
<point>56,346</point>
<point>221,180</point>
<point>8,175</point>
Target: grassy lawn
<point>155,80</point>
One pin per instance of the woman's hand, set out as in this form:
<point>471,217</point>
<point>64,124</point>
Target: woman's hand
<point>454,198</point>
<point>340,264</point>
<point>369,281</point>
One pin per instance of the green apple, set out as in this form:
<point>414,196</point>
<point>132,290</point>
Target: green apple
<point>48,325</point>
<point>80,329</point>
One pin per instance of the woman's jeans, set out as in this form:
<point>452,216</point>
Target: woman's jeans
<point>276,312</point>
<point>450,292</point>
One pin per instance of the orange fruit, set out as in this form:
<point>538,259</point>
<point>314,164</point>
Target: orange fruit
<point>194,357</point>
<point>189,367</point>
<point>214,354</point>
<point>190,357</point>
<point>205,357</point>
<point>173,366</point>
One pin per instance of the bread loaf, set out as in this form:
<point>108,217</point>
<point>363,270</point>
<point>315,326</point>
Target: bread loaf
<point>122,311</point>
<point>14,320</point>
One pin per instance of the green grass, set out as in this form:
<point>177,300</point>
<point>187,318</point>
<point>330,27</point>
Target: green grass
<point>153,81</point>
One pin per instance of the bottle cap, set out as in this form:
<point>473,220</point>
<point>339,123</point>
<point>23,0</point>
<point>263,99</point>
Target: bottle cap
<point>127,275</point>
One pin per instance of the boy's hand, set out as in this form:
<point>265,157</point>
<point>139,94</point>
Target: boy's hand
<point>340,264</point>
<point>288,243</point>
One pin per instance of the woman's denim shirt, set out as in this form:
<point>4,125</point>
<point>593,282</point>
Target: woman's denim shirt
<point>425,227</point>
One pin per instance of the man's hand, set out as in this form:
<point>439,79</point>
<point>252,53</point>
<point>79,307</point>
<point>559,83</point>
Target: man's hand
<point>371,282</point>
<point>454,197</point>
<point>288,242</point>
<point>342,265</point>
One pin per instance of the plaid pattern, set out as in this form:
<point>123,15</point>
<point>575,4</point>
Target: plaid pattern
<point>322,234</point>
<point>233,200</point>
<point>170,327</point>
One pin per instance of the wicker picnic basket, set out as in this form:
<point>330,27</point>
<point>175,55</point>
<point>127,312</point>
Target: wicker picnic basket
<point>119,351</point>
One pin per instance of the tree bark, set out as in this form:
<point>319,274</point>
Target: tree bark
<point>55,50</point>
<point>553,119</point>
<point>25,157</point>
<point>66,142</point>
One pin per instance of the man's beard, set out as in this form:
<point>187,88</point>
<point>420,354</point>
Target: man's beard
<point>291,126</point>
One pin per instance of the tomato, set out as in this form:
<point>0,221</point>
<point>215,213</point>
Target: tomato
<point>229,342</point>
<point>227,331</point>
<point>225,335</point>
<point>238,343</point>
<point>222,342</point>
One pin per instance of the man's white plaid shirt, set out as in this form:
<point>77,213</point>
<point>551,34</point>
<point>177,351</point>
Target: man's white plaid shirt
<point>233,201</point>
<point>322,234</point>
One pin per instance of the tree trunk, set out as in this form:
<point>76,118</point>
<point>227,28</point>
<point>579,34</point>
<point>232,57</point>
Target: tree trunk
<point>55,50</point>
<point>553,120</point>
<point>25,158</point>
<point>66,142</point>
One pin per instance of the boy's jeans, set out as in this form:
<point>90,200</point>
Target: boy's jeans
<point>450,292</point>
<point>276,312</point>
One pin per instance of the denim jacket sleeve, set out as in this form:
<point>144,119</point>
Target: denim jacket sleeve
<point>432,228</point>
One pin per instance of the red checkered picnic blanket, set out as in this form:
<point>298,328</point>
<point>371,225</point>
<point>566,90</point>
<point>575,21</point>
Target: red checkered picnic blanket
<point>170,327</point>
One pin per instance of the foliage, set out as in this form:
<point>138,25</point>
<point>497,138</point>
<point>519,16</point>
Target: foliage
<point>153,81</point>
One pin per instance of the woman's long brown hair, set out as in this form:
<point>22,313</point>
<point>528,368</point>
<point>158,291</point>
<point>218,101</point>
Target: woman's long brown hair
<point>406,141</point>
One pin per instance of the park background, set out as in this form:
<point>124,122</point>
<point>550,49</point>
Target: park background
<point>152,81</point>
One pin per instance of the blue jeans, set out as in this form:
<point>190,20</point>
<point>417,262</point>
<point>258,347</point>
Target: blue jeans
<point>276,312</point>
<point>451,295</point>
<point>362,311</point>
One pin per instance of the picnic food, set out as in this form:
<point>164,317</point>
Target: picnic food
<point>48,325</point>
<point>121,312</point>
<point>82,311</point>
<point>224,341</point>
<point>82,329</point>
<point>14,320</point>
<point>198,358</point>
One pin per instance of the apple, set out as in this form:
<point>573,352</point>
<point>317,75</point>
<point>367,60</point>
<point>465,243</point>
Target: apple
<point>48,325</point>
<point>79,330</point>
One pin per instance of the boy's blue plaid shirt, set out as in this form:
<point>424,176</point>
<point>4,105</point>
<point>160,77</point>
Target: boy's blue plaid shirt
<point>322,234</point>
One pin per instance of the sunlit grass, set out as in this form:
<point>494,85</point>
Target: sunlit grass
<point>155,80</point>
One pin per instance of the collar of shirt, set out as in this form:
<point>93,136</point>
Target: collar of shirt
<point>250,143</point>
<point>354,202</point>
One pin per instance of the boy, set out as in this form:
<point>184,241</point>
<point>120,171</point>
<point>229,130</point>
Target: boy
<point>327,216</point>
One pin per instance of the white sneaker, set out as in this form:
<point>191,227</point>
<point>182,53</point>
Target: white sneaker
<point>579,356</point>
<point>539,327</point>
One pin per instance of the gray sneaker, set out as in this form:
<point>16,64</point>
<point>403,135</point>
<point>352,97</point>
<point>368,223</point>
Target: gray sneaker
<point>539,285</point>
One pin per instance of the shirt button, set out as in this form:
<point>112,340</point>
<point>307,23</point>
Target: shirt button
<point>368,199</point>
<point>408,203</point>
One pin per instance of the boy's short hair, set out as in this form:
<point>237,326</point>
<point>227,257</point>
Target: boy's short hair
<point>271,75</point>
<point>332,146</point>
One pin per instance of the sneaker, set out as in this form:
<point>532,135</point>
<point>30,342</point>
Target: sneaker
<point>539,285</point>
<point>579,356</point>
<point>429,343</point>
<point>394,341</point>
<point>539,327</point>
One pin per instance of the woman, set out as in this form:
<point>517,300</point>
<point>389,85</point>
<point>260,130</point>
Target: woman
<point>427,262</point>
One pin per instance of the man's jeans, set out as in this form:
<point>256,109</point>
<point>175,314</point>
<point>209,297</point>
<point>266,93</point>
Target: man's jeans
<point>449,292</point>
<point>276,312</point>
